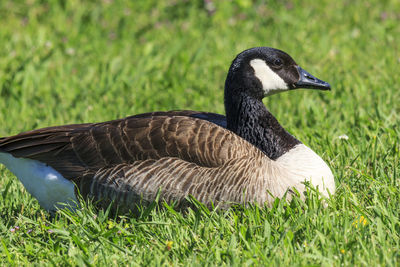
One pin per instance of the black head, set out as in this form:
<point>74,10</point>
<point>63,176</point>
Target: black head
<point>263,71</point>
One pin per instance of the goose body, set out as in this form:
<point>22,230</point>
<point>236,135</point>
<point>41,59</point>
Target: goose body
<point>244,157</point>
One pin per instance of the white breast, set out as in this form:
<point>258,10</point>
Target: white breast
<point>47,185</point>
<point>306,165</point>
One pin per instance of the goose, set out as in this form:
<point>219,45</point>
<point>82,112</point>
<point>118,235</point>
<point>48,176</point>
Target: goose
<point>245,157</point>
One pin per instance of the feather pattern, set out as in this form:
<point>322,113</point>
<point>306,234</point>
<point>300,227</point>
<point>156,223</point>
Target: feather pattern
<point>129,160</point>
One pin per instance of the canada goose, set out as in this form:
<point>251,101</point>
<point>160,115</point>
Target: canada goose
<point>180,153</point>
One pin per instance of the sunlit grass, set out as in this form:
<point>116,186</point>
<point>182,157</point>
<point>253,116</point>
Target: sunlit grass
<point>79,61</point>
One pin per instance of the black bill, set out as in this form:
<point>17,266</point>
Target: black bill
<point>308,81</point>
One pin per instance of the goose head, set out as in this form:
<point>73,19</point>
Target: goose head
<point>263,71</point>
<point>254,74</point>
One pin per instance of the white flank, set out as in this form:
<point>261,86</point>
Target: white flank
<point>44,183</point>
<point>270,81</point>
<point>306,165</point>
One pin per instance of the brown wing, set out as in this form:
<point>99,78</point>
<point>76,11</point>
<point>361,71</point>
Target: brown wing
<point>218,119</point>
<point>129,160</point>
<point>75,149</point>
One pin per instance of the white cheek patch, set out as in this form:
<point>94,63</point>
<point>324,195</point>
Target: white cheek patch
<point>270,81</point>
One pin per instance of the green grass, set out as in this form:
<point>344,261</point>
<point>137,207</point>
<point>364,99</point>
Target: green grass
<point>79,61</point>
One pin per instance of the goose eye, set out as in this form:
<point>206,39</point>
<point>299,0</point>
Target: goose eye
<point>278,62</point>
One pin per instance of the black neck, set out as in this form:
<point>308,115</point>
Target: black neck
<point>249,118</point>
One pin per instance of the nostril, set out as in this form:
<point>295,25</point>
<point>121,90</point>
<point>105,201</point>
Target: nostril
<point>310,77</point>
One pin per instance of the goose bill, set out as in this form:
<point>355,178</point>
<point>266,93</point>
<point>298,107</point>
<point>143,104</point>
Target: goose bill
<point>309,81</point>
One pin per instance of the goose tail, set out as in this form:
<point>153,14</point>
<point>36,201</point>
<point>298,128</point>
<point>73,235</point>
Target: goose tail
<point>3,152</point>
<point>1,143</point>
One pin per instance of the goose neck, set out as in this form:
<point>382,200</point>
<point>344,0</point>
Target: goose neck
<point>249,118</point>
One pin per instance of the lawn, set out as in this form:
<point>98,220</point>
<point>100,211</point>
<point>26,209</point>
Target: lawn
<point>81,61</point>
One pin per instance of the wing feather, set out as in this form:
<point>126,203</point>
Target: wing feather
<point>129,160</point>
<point>85,148</point>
